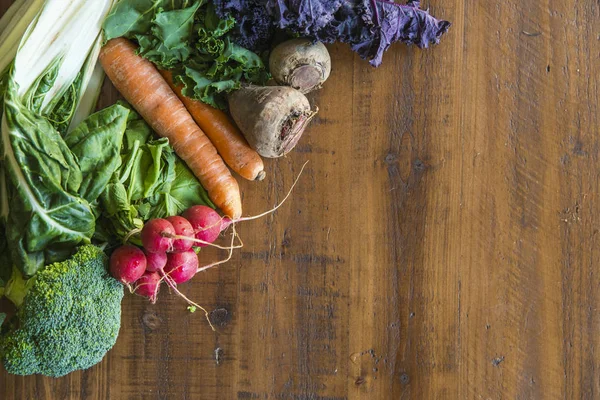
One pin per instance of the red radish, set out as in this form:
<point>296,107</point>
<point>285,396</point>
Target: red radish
<point>155,261</point>
<point>148,285</point>
<point>157,235</point>
<point>206,222</point>
<point>127,264</point>
<point>182,228</point>
<point>181,267</point>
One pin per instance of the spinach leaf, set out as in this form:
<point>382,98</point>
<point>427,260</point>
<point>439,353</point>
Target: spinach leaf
<point>151,182</point>
<point>96,143</point>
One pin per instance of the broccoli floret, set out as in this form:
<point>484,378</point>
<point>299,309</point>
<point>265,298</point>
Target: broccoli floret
<point>69,318</point>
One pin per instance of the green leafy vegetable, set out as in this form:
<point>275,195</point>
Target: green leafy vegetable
<point>174,27</point>
<point>47,217</point>
<point>51,182</point>
<point>45,193</point>
<point>151,182</point>
<point>97,144</point>
<point>13,25</point>
<point>189,38</point>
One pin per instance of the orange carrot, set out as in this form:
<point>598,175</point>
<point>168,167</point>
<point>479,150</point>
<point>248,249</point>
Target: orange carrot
<point>226,137</point>
<point>145,89</point>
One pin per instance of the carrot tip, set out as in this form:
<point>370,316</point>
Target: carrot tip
<point>260,176</point>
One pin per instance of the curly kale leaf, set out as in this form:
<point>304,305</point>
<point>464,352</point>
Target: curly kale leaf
<point>189,38</point>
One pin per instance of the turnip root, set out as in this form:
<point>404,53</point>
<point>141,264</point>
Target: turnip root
<point>272,118</point>
<point>300,63</point>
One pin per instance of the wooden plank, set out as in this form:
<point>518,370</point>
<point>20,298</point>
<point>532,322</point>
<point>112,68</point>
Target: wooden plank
<point>442,242</point>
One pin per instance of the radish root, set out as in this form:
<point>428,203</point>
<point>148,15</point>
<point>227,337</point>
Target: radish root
<point>193,239</point>
<point>173,286</point>
<point>233,236</point>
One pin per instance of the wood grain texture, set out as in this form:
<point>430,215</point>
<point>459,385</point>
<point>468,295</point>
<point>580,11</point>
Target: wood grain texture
<point>442,243</point>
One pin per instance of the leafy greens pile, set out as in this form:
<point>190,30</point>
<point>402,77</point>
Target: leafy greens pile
<point>368,26</point>
<point>188,38</point>
<point>45,202</point>
<point>67,179</point>
<point>65,183</point>
<point>150,182</point>
<point>53,168</point>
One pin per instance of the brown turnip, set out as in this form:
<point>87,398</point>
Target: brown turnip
<point>300,63</point>
<point>272,118</point>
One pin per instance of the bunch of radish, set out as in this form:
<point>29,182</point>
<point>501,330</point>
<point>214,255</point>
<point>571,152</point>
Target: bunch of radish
<point>168,251</point>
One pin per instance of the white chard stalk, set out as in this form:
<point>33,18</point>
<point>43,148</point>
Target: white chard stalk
<point>63,32</point>
<point>49,84</point>
<point>12,27</point>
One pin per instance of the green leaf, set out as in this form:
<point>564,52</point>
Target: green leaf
<point>63,109</point>
<point>130,17</point>
<point>152,182</point>
<point>189,38</point>
<point>115,198</point>
<point>47,218</point>
<point>185,191</point>
<point>17,287</point>
<point>215,25</point>
<point>163,168</point>
<point>175,27</point>
<point>154,50</point>
<point>3,85</point>
<point>97,144</point>
<point>199,85</point>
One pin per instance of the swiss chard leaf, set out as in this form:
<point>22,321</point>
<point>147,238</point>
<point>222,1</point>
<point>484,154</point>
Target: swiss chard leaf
<point>47,217</point>
<point>63,109</point>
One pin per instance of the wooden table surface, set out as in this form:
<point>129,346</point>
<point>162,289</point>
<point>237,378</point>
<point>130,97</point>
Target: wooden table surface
<point>443,241</point>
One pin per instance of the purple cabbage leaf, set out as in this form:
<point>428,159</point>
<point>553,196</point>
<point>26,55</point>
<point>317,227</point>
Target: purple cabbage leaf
<point>370,27</point>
